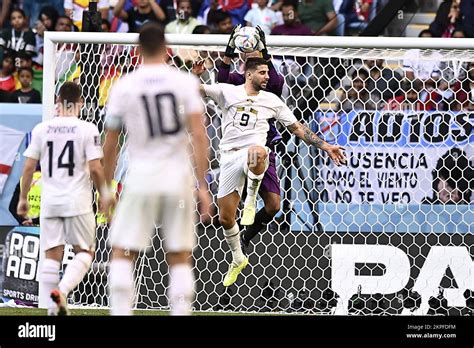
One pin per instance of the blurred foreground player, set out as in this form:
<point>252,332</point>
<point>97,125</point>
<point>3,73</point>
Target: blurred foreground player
<point>157,105</point>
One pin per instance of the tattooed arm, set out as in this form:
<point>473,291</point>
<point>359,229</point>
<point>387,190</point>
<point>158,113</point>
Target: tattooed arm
<point>335,152</point>
<point>304,133</point>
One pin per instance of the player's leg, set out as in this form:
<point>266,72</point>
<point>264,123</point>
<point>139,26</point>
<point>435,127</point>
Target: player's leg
<point>231,183</point>
<point>227,211</point>
<point>130,232</point>
<point>270,193</point>
<point>257,162</point>
<point>176,216</point>
<point>80,232</point>
<point>121,281</point>
<point>52,242</point>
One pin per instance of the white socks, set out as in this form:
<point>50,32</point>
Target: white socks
<point>121,287</point>
<point>232,237</point>
<point>253,184</point>
<point>181,289</point>
<point>75,272</point>
<point>48,281</point>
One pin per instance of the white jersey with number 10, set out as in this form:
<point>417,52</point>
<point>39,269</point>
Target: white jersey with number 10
<point>152,103</point>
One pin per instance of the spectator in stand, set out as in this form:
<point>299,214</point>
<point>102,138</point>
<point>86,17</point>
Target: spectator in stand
<point>145,11</point>
<point>448,18</point>
<point>20,37</point>
<point>24,60</point>
<point>221,22</point>
<point>453,179</point>
<point>7,82</point>
<point>64,23</point>
<point>184,23</point>
<point>263,16</point>
<point>382,81</point>
<point>357,97</point>
<point>291,22</point>
<point>74,9</point>
<point>26,94</point>
<point>33,8</point>
<point>47,19</point>
<point>319,15</point>
<point>49,16</point>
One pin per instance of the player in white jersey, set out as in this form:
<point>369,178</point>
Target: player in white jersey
<point>157,105</point>
<point>246,110</point>
<point>69,151</point>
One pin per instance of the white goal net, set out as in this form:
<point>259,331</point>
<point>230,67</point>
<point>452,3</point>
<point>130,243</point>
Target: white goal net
<point>389,233</point>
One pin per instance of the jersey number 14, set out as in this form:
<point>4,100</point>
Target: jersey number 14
<point>65,160</point>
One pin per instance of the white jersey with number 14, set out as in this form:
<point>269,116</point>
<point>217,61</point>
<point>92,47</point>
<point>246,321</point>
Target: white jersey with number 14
<point>64,146</point>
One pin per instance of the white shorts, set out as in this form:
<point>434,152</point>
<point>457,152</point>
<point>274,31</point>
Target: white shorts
<point>75,230</point>
<point>133,225</point>
<point>233,165</point>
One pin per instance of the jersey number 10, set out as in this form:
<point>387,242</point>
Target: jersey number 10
<point>165,113</point>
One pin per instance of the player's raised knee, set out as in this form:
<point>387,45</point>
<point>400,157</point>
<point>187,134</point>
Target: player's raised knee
<point>256,155</point>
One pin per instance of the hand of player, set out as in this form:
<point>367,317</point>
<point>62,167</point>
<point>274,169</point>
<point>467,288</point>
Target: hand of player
<point>106,207</point>
<point>262,43</point>
<point>230,48</point>
<point>336,153</point>
<point>27,222</point>
<point>204,205</point>
<point>198,67</point>
<point>22,207</point>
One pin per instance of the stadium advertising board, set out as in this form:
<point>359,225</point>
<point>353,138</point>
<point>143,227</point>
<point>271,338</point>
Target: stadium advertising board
<point>20,264</point>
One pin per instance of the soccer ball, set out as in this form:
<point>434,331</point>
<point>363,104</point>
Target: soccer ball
<point>246,39</point>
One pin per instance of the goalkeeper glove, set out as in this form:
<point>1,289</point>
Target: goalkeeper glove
<point>230,48</point>
<point>262,45</point>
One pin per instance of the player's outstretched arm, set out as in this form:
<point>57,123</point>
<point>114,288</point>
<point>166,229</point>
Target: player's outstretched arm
<point>335,152</point>
<point>28,170</point>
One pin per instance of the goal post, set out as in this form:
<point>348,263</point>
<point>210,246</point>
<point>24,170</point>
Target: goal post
<point>395,223</point>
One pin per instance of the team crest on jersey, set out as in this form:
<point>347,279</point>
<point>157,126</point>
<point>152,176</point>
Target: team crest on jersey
<point>97,140</point>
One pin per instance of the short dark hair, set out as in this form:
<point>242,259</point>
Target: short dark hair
<point>220,16</point>
<point>201,29</point>
<point>70,92</point>
<point>253,62</point>
<point>425,31</point>
<point>19,10</point>
<point>293,3</point>
<point>30,70</point>
<point>152,38</point>
<point>106,22</point>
